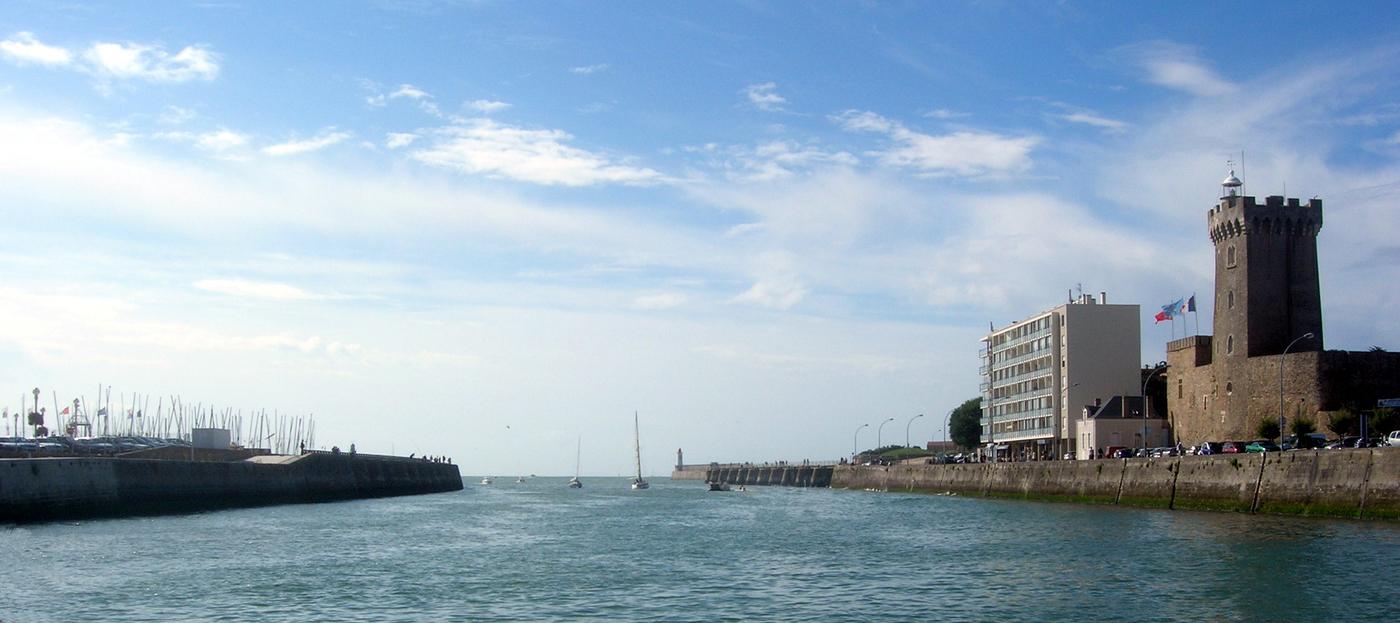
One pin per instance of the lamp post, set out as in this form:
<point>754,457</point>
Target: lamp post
<point>879,430</point>
<point>1305,336</point>
<point>1146,404</point>
<point>853,440</point>
<point>906,428</point>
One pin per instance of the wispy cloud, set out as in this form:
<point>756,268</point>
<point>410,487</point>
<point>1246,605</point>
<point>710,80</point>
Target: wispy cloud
<point>395,140</point>
<point>221,140</point>
<point>152,63</point>
<point>765,96</point>
<point>1178,67</point>
<point>292,148</point>
<point>175,115</point>
<point>773,160</point>
<point>944,113</point>
<point>1112,125</point>
<point>963,153</point>
<point>24,49</point>
<point>660,300</point>
<point>255,289</point>
<point>409,91</point>
<point>483,146</point>
<point>487,107</point>
<point>588,70</point>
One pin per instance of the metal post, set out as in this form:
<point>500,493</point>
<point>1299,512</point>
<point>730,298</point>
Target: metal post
<point>1147,405</point>
<point>1304,336</point>
<point>879,430</point>
<point>906,428</point>
<point>854,442</point>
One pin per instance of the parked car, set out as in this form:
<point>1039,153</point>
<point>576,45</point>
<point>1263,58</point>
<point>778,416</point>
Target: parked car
<point>1233,447</point>
<point>1261,445</point>
<point>1309,441</point>
<point>1210,447</point>
<point>1345,442</point>
<point>1393,439</point>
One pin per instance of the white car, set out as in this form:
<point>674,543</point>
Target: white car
<point>1393,439</point>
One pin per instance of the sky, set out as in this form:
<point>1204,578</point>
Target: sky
<point>494,230</point>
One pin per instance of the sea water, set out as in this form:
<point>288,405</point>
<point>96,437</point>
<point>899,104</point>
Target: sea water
<point>538,551</point>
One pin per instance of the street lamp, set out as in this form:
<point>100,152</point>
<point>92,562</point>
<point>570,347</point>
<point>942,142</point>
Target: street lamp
<point>1146,404</point>
<point>1305,336</point>
<point>880,429</point>
<point>906,428</point>
<point>853,440</point>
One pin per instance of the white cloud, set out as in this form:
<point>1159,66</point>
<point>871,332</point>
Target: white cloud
<point>293,148</point>
<point>24,49</point>
<point>1177,66</point>
<point>483,146</point>
<point>944,113</point>
<point>588,70</point>
<point>151,63</point>
<point>765,96</point>
<point>1112,125</point>
<point>254,289</point>
<point>487,107</point>
<point>778,285</point>
<point>774,160</point>
<point>962,153</point>
<point>658,301</point>
<point>395,140</point>
<point>409,91</point>
<point>220,140</point>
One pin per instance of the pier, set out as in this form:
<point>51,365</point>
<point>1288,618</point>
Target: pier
<point>780,475</point>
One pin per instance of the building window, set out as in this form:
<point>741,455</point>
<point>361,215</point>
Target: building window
<point>1178,389</point>
<point>1229,345</point>
<point>1230,256</point>
<point>1230,299</point>
<point>1229,388</point>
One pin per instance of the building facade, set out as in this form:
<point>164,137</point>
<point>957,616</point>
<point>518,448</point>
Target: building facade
<point>1034,370</point>
<point>1267,350</point>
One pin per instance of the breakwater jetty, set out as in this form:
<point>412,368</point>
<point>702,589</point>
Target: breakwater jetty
<point>785,475</point>
<point>51,488</point>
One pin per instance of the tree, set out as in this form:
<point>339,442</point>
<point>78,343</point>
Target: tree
<point>1343,422</point>
<point>1302,427</point>
<point>1268,428</point>
<point>965,423</point>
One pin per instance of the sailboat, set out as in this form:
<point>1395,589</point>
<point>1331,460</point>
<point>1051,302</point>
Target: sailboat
<point>574,483</point>
<point>638,482</point>
<point>486,480</point>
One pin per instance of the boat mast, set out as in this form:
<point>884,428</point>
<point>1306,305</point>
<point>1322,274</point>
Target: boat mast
<point>637,437</point>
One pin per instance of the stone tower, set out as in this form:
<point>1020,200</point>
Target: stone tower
<point>1266,285</point>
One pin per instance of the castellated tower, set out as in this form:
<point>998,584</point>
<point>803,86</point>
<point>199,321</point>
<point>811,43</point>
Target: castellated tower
<point>1266,284</point>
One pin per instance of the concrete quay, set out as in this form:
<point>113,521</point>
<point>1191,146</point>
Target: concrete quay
<point>46,489</point>
<point>1358,483</point>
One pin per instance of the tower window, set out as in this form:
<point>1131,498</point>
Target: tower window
<point>1229,389</point>
<point>1230,256</point>
<point>1229,345</point>
<point>1178,388</point>
<point>1230,299</point>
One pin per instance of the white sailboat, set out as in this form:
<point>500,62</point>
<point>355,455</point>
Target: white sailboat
<point>638,482</point>
<point>486,480</point>
<point>574,483</point>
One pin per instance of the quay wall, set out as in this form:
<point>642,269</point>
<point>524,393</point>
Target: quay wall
<point>1359,483</point>
<point>45,489</point>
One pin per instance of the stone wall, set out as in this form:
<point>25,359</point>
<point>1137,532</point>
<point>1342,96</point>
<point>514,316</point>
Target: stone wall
<point>1333,483</point>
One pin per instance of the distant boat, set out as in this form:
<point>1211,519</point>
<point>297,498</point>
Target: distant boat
<point>519,479</point>
<point>638,482</point>
<point>486,480</point>
<point>719,486</point>
<point>573,482</point>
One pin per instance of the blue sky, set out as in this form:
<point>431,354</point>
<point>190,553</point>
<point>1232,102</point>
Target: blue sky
<point>759,225</point>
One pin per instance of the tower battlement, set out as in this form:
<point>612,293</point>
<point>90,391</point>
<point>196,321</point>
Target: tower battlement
<point>1237,215</point>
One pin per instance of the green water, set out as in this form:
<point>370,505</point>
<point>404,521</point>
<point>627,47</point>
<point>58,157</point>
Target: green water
<point>542,552</point>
